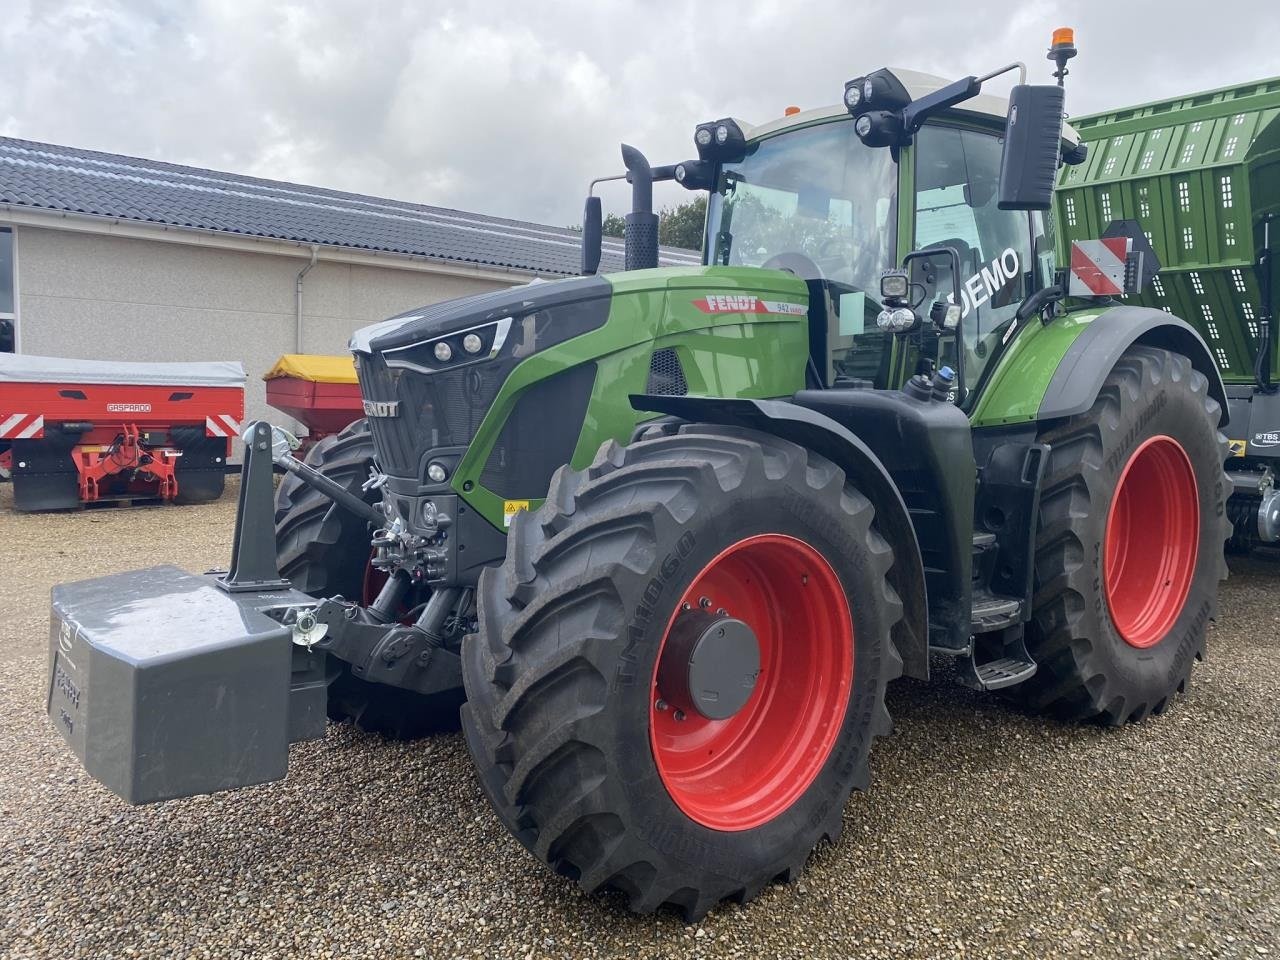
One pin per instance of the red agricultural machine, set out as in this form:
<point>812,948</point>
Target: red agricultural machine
<point>320,392</point>
<point>76,432</point>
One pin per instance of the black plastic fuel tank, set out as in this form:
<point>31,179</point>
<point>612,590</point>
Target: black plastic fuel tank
<point>927,447</point>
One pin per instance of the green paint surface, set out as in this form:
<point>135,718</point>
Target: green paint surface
<point>726,348</point>
<point>1017,386</point>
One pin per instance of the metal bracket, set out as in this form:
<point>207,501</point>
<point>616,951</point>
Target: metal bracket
<point>253,553</point>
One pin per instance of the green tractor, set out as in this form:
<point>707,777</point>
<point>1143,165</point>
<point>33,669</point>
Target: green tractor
<point>670,533</point>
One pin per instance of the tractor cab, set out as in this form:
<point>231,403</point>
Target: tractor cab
<point>810,196</point>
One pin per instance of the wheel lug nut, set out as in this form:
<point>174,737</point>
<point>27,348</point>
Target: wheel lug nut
<point>660,705</point>
<point>678,715</point>
<point>704,602</point>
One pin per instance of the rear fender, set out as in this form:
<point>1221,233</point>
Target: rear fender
<point>820,433</point>
<point>1090,358</point>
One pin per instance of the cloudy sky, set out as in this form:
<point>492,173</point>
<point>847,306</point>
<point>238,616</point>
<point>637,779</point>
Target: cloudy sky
<point>510,108</point>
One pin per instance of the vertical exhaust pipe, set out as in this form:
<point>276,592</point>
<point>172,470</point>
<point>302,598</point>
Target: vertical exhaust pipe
<point>641,233</point>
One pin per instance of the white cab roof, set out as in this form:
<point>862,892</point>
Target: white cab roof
<point>917,84</point>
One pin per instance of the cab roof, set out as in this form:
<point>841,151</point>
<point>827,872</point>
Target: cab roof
<point>917,85</point>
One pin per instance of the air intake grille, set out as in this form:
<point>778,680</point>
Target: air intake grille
<point>666,375</point>
<point>540,434</point>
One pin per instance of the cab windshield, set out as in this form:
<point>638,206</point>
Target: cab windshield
<point>814,201</point>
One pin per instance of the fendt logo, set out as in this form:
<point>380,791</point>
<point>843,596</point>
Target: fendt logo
<point>381,408</point>
<point>743,303</point>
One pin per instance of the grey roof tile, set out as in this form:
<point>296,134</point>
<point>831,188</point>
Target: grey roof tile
<point>45,176</point>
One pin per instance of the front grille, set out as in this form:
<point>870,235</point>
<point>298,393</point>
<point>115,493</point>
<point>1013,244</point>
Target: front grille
<point>436,410</point>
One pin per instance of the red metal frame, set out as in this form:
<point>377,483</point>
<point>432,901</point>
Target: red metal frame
<point>127,427</point>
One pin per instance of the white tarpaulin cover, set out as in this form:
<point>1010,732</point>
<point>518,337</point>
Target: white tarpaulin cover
<point>15,368</point>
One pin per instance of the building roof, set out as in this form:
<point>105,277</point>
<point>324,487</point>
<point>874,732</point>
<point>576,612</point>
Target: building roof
<point>41,176</point>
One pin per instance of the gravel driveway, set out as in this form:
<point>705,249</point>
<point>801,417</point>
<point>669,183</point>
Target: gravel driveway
<point>986,832</point>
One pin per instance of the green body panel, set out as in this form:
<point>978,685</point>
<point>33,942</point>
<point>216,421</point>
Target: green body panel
<point>724,353</point>
<point>1017,385</point>
<point>1198,173</point>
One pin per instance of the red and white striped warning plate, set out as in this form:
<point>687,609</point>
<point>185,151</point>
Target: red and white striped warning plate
<point>21,426</point>
<point>1097,267</point>
<point>221,425</point>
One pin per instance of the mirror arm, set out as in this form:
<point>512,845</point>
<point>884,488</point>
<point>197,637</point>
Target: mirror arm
<point>915,113</point>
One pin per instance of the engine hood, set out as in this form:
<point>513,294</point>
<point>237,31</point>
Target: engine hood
<point>425,323</point>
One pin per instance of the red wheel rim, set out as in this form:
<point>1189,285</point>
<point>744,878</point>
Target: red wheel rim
<point>738,773</point>
<point>1152,539</point>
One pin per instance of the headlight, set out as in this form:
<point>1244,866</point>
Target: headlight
<point>722,133</point>
<point>852,97</point>
<point>863,126</point>
<point>436,472</point>
<point>451,350</point>
<point>702,137</point>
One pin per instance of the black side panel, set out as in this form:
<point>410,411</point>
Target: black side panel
<point>1255,418</point>
<point>824,435</point>
<point>202,470</point>
<point>1089,360</point>
<point>540,434</point>
<point>1011,468</point>
<point>927,448</point>
<point>44,477</point>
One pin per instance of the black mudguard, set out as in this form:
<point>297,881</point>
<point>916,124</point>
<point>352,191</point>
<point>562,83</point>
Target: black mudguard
<point>1089,361</point>
<point>823,435</point>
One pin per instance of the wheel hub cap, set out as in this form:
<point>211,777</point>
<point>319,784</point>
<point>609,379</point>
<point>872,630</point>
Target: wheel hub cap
<point>709,664</point>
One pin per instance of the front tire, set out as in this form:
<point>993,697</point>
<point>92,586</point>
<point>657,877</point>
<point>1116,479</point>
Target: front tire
<point>571,718</point>
<point>1129,550</point>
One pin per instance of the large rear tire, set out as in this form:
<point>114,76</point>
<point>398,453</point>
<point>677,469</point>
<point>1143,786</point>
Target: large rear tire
<point>592,755</point>
<point>1129,551</point>
<point>324,551</point>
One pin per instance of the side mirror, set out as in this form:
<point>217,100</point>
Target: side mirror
<point>1032,145</point>
<point>592,231</point>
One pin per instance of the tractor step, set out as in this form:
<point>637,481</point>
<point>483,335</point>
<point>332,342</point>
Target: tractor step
<point>991,613</point>
<point>1004,672</point>
<point>998,660</point>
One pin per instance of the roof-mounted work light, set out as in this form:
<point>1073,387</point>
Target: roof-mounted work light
<point>720,140</point>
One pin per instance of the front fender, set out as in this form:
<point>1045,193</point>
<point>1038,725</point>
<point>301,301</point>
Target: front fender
<point>825,436</point>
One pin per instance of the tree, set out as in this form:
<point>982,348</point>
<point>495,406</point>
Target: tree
<point>678,226</point>
<point>613,225</point>
<point>681,225</point>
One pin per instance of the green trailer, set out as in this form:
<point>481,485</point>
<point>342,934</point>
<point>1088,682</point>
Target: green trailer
<point>1201,175</point>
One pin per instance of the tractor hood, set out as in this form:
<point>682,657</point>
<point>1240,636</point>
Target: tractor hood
<point>455,316</point>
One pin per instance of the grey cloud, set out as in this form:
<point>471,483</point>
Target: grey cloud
<point>510,108</point>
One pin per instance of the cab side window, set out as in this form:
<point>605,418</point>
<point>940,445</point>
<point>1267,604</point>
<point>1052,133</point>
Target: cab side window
<point>956,179</point>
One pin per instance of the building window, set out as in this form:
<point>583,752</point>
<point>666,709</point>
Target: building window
<point>8,303</point>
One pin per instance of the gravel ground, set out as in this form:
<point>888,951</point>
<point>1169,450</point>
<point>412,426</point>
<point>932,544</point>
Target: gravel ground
<point>986,832</point>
